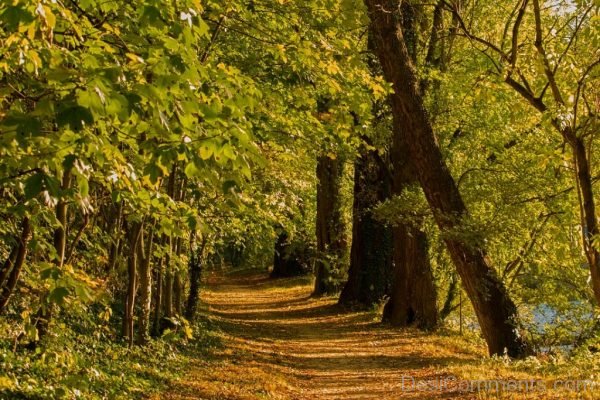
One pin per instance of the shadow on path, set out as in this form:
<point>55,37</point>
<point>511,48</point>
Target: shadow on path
<point>279,343</point>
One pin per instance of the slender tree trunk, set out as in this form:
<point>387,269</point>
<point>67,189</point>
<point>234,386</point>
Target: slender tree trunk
<point>331,237</point>
<point>134,235</point>
<point>168,271</point>
<point>450,297</point>
<point>9,274</point>
<point>158,301</point>
<point>369,276</point>
<point>496,312</point>
<point>60,245</point>
<point>590,230</point>
<point>168,284</point>
<point>177,283</point>
<point>115,247</point>
<point>195,266</point>
<point>145,277</point>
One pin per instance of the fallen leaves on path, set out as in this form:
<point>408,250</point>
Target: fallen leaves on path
<point>279,343</point>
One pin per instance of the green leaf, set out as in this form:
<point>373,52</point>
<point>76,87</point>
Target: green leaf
<point>33,186</point>
<point>76,117</point>
<point>58,295</point>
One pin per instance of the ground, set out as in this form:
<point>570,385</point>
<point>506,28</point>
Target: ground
<point>279,343</point>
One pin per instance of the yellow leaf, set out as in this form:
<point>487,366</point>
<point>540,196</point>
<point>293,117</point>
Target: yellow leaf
<point>135,58</point>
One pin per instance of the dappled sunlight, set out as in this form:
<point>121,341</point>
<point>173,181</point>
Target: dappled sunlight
<point>279,342</point>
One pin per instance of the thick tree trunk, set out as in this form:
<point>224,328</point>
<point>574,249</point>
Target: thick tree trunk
<point>331,236</point>
<point>496,312</point>
<point>413,299</point>
<point>145,289</point>
<point>11,269</point>
<point>369,276</point>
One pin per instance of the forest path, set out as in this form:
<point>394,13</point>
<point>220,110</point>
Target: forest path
<point>279,343</point>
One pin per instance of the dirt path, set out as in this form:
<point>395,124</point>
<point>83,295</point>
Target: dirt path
<point>278,343</point>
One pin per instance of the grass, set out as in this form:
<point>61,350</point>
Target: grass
<point>268,339</point>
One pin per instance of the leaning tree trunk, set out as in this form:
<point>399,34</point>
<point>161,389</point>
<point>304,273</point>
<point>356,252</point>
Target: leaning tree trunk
<point>331,236</point>
<point>496,312</point>
<point>11,269</point>
<point>369,276</point>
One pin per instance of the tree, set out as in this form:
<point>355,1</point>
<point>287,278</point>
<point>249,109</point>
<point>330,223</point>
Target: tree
<point>547,89</point>
<point>496,312</point>
<point>370,271</point>
<point>331,235</point>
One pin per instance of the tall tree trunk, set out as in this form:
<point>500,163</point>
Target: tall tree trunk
<point>590,229</point>
<point>159,282</point>
<point>177,282</point>
<point>168,271</point>
<point>168,283</point>
<point>145,289</point>
<point>331,236</point>
<point>134,235</point>
<point>11,269</point>
<point>60,245</point>
<point>195,267</point>
<point>496,312</point>
<point>369,276</point>
<point>115,246</point>
<point>413,298</point>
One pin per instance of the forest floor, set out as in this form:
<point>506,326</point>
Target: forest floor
<point>276,342</point>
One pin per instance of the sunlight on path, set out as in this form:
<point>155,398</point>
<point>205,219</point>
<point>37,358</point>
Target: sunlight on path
<point>278,343</point>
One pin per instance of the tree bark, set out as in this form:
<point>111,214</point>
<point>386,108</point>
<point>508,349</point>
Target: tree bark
<point>331,236</point>
<point>369,275</point>
<point>413,298</point>
<point>496,312</point>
